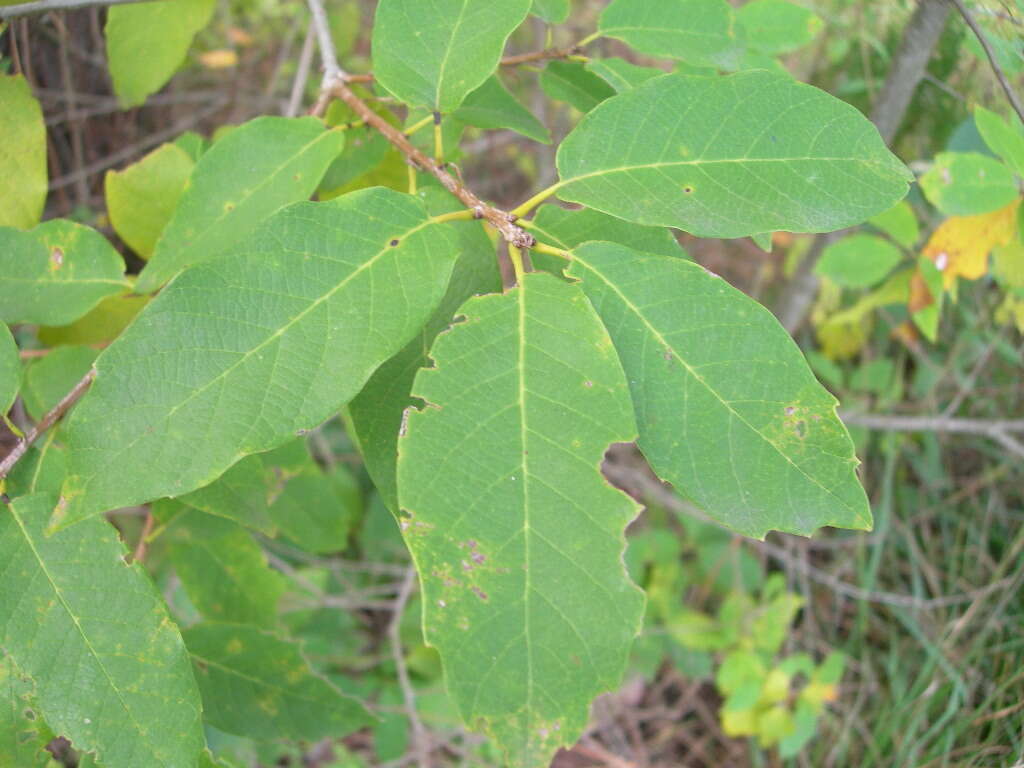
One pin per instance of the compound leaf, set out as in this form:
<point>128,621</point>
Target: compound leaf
<point>700,32</point>
<point>728,410</point>
<point>730,156</point>
<point>55,273</point>
<point>249,174</point>
<point>239,354</point>
<point>22,154</point>
<point>432,53</point>
<point>141,199</point>
<point>111,671</point>
<point>258,685</point>
<point>517,537</point>
<point>147,42</point>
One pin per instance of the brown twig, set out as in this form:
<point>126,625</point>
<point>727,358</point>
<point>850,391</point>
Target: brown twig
<point>147,528</point>
<point>998,70</point>
<point>419,734</point>
<point>45,423</point>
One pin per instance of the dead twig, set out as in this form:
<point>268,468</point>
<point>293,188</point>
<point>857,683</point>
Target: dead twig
<point>419,734</point>
<point>990,54</point>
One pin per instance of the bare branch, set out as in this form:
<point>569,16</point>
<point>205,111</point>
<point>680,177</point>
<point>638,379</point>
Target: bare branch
<point>45,423</point>
<point>896,423</point>
<point>333,73</point>
<point>419,734</point>
<point>45,6</point>
<point>1000,75</point>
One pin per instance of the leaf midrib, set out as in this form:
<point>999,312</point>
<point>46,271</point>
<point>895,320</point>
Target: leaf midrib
<point>697,377</point>
<point>85,639</point>
<point>272,337</point>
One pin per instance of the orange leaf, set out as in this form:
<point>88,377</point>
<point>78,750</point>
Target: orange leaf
<point>961,244</point>
<point>224,58</point>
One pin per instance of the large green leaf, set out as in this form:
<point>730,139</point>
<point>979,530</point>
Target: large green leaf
<point>1005,139</point>
<point>700,32</point>
<point>566,228</point>
<point>239,354</point>
<point>730,156</point>
<point>622,75</point>
<point>517,537</point>
<point>22,154</point>
<point>728,410</point>
<point>375,415</point>
<point>10,369</point>
<point>778,26</point>
<point>55,273</point>
<point>141,199</point>
<point>552,11</point>
<point>432,53</point>
<point>569,81</point>
<point>253,171</point>
<point>968,183</point>
<point>147,42</point>
<point>111,671</point>
<point>255,684</point>
<point>23,734</point>
<point>222,568</point>
<point>492,107</point>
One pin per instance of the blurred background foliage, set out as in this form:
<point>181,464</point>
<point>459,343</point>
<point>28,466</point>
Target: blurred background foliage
<point>902,647</point>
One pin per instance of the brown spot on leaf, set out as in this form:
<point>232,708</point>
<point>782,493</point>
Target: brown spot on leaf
<point>480,593</point>
<point>56,258</point>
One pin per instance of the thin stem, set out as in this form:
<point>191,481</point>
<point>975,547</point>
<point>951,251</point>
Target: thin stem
<point>536,200</point>
<point>454,216</point>
<point>1000,75</point>
<point>419,734</point>
<point>438,140</point>
<point>412,179</point>
<point>517,263</point>
<point>333,72</point>
<point>45,423</point>
<point>302,73</point>
<point>589,39</point>
<point>419,125</point>
<point>542,248</point>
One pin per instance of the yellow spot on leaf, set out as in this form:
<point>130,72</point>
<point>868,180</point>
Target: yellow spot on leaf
<point>961,244</point>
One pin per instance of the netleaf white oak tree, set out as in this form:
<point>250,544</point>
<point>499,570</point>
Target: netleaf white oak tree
<point>482,413</point>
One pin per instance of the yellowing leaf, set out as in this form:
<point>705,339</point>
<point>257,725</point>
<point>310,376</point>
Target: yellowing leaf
<point>961,244</point>
<point>223,58</point>
<point>739,723</point>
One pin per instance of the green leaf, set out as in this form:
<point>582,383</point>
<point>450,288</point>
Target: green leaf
<point>858,261</point>
<point>728,410</point>
<point>239,354</point>
<point>48,379</point>
<point>622,75</point>
<point>193,144</point>
<point>569,81</point>
<point>566,228</point>
<point>699,32</point>
<point>492,108</point>
<point>41,470</point>
<point>23,735</point>
<point>517,537</point>
<point>316,510</point>
<point>552,11</point>
<point>222,568</point>
<point>10,369</point>
<point>375,415</point>
<point>240,494</point>
<point>1006,140</point>
<point>730,156</point>
<point>432,54</point>
<point>365,147</point>
<point>100,325</point>
<point>778,26</point>
<point>146,43</point>
<point>111,671</point>
<point>142,197</point>
<point>256,169</point>
<point>22,154</point>
<point>55,273</point>
<point>899,223</point>
<point>967,183</point>
<point>255,684</point>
